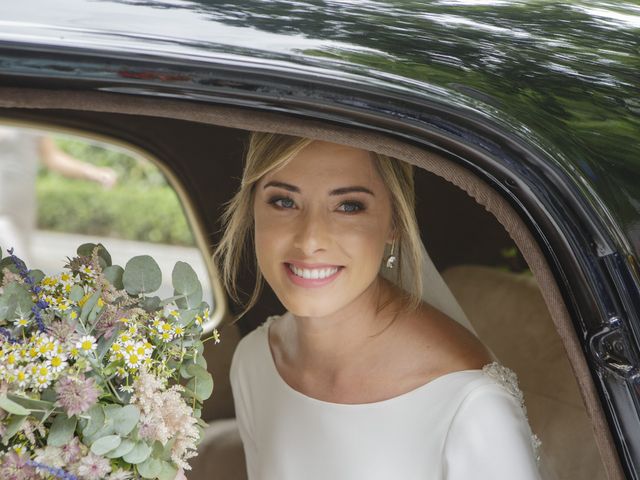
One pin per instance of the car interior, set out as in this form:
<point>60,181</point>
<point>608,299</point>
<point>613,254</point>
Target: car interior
<point>482,246</point>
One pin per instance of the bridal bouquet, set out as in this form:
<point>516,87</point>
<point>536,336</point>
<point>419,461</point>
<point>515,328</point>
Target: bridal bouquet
<point>98,378</point>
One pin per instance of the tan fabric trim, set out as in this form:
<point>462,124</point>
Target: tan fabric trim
<point>279,123</point>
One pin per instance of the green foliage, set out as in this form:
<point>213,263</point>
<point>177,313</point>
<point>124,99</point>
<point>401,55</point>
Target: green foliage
<point>143,214</point>
<point>141,275</point>
<point>138,454</point>
<point>126,419</point>
<point>62,430</point>
<point>86,250</point>
<point>15,301</point>
<point>12,407</point>
<point>185,282</point>
<point>125,447</point>
<point>106,444</point>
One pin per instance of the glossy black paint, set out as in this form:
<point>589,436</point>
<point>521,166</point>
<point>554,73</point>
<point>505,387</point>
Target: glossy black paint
<point>540,100</point>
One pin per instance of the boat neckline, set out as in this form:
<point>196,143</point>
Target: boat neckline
<point>398,398</point>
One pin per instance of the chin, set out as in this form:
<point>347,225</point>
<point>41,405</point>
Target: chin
<point>309,308</point>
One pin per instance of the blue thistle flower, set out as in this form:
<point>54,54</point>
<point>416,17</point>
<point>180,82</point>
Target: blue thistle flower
<point>24,274</point>
<point>7,334</point>
<point>54,471</point>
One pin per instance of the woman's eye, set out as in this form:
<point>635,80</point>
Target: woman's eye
<point>286,202</point>
<point>352,207</point>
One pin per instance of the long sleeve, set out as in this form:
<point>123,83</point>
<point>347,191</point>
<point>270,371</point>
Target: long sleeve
<point>243,415</point>
<point>490,439</point>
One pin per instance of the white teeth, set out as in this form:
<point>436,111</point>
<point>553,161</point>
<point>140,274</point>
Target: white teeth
<point>316,273</point>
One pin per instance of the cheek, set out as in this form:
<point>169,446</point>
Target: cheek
<point>268,238</point>
<point>363,239</point>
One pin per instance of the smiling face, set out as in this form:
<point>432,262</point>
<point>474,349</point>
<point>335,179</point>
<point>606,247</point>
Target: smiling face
<point>321,224</point>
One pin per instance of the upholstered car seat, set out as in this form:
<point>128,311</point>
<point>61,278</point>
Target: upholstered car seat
<point>509,314</point>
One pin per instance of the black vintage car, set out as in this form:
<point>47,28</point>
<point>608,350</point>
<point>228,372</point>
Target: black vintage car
<point>522,116</point>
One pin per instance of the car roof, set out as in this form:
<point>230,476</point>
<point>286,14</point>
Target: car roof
<point>562,75</point>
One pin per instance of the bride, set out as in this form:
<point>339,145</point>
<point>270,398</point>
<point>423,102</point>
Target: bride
<point>373,371</point>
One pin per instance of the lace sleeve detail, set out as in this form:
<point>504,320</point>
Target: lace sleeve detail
<point>508,379</point>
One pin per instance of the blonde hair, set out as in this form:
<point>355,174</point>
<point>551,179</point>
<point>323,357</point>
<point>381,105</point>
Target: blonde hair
<point>269,152</point>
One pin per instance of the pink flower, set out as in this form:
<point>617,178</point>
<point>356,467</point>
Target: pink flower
<point>93,467</point>
<point>62,330</point>
<point>15,467</point>
<point>76,395</point>
<point>71,452</point>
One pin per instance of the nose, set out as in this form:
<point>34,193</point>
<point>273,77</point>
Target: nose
<point>312,232</point>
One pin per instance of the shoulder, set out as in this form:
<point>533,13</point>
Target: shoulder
<point>492,417</point>
<point>446,345</point>
<point>248,349</point>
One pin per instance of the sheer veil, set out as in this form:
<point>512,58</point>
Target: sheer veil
<point>434,290</point>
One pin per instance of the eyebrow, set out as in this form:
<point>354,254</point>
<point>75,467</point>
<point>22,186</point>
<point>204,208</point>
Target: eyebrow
<point>337,191</point>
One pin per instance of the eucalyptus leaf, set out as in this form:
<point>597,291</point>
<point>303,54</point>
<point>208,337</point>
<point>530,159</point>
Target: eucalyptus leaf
<point>200,360</point>
<point>30,403</point>
<point>49,395</point>
<point>104,345</point>
<point>24,303</point>
<point>93,314</point>
<point>36,275</point>
<point>197,371</point>
<point>167,301</point>
<point>106,444</point>
<point>90,304</point>
<point>76,293</point>
<point>184,279</point>
<point>12,407</point>
<point>125,447</point>
<point>96,421</point>
<point>86,249</point>
<point>126,419</point>
<point>184,371</point>
<point>185,282</point>
<point>168,471</point>
<point>8,307</point>
<point>13,426</point>
<point>106,430</point>
<point>187,316</point>
<point>202,388</point>
<point>151,304</point>
<point>167,449</point>
<point>114,275</point>
<point>138,454</point>
<point>190,300</point>
<point>62,430</point>
<point>7,262</point>
<point>157,449</point>
<point>150,468</point>
<point>141,275</point>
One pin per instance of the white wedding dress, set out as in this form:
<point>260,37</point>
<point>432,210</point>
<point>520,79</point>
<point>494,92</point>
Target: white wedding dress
<point>464,425</point>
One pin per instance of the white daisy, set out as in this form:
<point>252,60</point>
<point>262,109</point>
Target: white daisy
<point>86,344</point>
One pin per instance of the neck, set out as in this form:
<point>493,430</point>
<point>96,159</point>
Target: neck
<point>338,345</point>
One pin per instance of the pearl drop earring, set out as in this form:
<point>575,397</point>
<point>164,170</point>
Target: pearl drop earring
<point>391,259</point>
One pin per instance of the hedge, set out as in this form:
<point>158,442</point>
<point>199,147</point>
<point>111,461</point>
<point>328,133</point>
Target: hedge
<point>151,215</point>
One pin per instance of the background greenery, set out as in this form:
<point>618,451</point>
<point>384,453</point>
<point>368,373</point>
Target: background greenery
<point>141,206</point>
